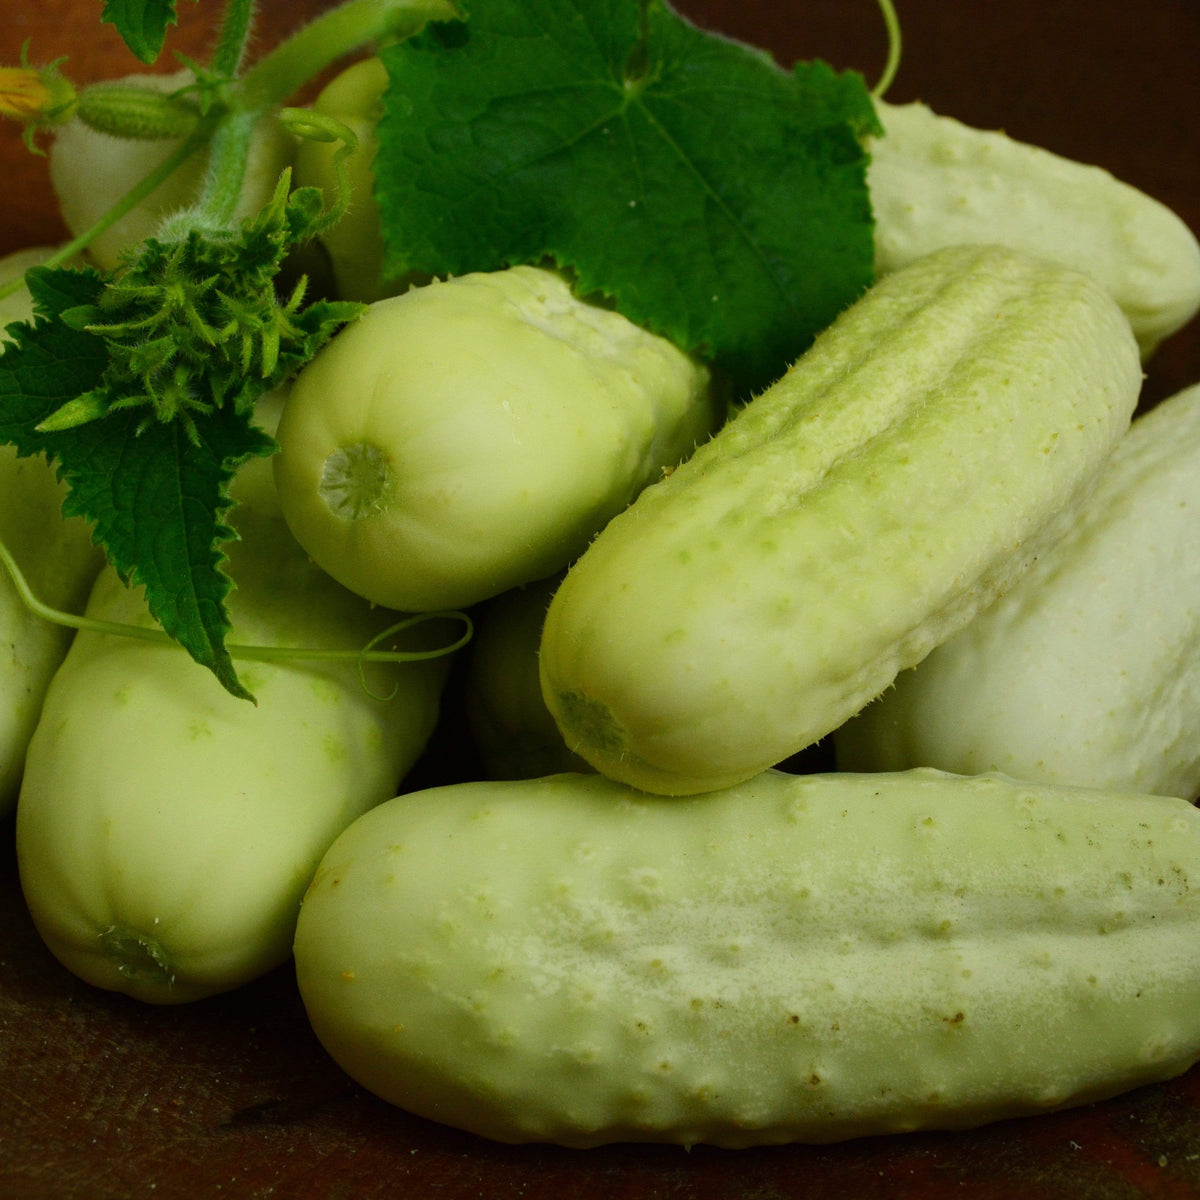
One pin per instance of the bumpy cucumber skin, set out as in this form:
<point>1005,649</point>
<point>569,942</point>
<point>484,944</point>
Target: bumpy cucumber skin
<point>513,420</point>
<point>800,958</point>
<point>1087,671</point>
<point>903,473</point>
<point>936,182</point>
<point>165,830</point>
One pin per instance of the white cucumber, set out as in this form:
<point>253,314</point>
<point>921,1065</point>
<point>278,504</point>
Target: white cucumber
<point>473,435</point>
<point>904,472</point>
<point>936,182</point>
<point>799,958</point>
<point>165,830</point>
<point>1087,670</point>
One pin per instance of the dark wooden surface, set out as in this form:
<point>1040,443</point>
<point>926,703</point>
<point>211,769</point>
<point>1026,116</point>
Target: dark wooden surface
<point>101,1097</point>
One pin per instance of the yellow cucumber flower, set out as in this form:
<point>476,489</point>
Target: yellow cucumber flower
<point>35,96</point>
<point>22,93</point>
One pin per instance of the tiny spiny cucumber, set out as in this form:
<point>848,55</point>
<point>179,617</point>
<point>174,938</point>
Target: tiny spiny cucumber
<point>91,171</point>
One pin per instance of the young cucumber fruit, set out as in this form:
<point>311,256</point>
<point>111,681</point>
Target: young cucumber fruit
<point>165,830</point>
<point>798,958</point>
<point>1088,670</point>
<point>472,435</point>
<point>935,182</point>
<point>900,475</point>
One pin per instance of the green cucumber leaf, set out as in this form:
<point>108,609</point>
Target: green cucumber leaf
<point>711,195</point>
<point>142,24</point>
<point>155,491</point>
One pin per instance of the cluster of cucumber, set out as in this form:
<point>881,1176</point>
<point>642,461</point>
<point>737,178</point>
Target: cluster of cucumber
<point>928,540</point>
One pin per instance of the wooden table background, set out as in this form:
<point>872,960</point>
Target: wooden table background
<point>101,1097</point>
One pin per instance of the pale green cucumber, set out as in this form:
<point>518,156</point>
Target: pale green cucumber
<point>1087,671</point>
<point>903,473</point>
<point>799,958</point>
<point>936,182</point>
<point>166,830</point>
<point>473,435</point>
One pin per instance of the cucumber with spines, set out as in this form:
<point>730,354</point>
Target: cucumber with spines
<point>903,473</point>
